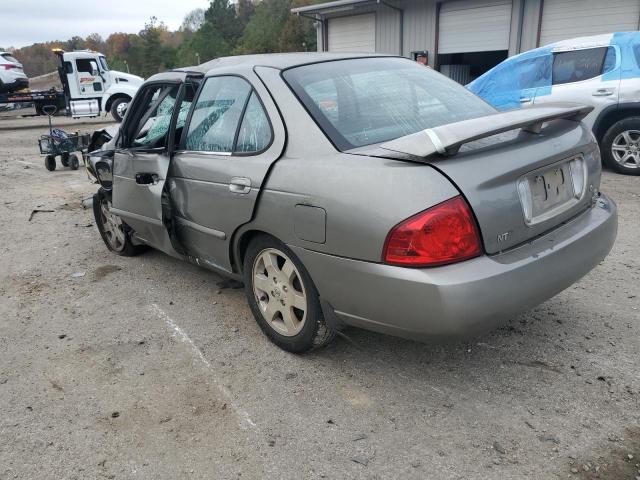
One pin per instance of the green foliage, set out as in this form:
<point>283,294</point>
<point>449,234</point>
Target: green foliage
<point>222,29</point>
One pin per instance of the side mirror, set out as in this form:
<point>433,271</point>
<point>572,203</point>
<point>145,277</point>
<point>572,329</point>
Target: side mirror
<point>94,68</point>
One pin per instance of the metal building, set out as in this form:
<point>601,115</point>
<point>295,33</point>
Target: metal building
<point>463,38</point>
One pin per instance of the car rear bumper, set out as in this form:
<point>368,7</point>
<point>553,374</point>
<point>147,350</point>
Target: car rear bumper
<point>467,297</point>
<point>14,84</point>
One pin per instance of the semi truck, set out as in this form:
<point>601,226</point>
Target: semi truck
<point>89,88</point>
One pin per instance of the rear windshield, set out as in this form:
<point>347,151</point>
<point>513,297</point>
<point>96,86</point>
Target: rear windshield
<point>370,100</point>
<point>8,57</point>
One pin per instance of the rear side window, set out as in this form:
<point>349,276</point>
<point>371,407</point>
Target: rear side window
<point>9,58</point>
<point>578,65</point>
<point>370,100</point>
<point>255,131</point>
<point>228,117</point>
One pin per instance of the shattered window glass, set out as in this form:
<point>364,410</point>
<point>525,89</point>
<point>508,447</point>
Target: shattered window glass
<point>155,122</point>
<point>255,131</point>
<point>217,113</point>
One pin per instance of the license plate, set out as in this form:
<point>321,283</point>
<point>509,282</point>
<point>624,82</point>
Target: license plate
<point>545,192</point>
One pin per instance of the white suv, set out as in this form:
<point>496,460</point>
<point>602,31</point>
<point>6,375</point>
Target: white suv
<point>12,76</point>
<point>602,71</point>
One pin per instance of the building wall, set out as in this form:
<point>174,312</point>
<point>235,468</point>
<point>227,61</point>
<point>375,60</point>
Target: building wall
<point>420,26</point>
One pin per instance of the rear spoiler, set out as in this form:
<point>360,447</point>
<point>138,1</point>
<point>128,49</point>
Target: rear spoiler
<point>447,139</point>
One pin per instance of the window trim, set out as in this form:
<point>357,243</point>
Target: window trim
<point>602,72</point>
<point>233,153</point>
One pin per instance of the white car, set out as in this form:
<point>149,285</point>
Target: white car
<point>12,76</point>
<point>602,71</point>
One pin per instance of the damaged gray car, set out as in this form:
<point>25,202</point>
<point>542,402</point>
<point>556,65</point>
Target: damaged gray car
<point>362,191</point>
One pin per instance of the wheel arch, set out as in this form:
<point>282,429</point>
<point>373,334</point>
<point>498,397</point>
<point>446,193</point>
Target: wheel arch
<point>240,242</point>
<point>613,114</point>
<point>113,98</point>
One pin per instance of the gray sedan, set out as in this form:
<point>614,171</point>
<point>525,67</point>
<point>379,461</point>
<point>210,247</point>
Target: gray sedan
<point>362,191</point>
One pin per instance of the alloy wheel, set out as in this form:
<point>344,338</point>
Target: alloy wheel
<point>279,292</point>
<point>112,226</point>
<point>121,109</point>
<point>626,149</point>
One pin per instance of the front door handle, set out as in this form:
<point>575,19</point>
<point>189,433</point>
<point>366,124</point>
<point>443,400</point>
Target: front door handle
<point>603,92</point>
<point>146,178</point>
<point>525,99</point>
<point>240,185</point>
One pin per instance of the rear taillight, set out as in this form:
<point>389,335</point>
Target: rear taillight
<point>8,66</point>
<point>445,233</point>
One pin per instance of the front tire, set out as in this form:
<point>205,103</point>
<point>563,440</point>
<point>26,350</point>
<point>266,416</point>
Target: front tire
<point>282,297</point>
<point>119,108</point>
<point>620,146</point>
<point>114,232</point>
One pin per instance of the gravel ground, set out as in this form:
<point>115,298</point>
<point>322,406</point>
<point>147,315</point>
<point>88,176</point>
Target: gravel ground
<point>147,368</point>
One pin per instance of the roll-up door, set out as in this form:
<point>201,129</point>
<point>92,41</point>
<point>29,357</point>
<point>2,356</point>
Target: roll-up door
<point>356,33</point>
<point>472,26</point>
<point>562,19</point>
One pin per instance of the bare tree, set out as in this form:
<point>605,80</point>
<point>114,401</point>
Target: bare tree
<point>193,20</point>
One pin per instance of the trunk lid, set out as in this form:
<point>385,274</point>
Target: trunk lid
<point>522,177</point>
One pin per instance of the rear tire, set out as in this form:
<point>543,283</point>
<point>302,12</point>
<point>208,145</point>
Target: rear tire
<point>114,232</point>
<point>50,162</point>
<point>282,297</point>
<point>64,159</point>
<point>620,146</point>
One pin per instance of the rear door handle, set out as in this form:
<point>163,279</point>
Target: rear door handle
<point>525,99</point>
<point>603,92</point>
<point>146,178</point>
<point>240,185</point>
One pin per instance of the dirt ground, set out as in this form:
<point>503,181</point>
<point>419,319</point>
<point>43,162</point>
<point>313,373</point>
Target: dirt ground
<point>146,367</point>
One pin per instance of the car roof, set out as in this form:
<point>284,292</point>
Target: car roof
<point>280,61</point>
<point>592,41</point>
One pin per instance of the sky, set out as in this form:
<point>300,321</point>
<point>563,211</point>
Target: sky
<point>23,22</point>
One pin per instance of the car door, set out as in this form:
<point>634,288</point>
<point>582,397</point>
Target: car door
<point>590,76</point>
<point>233,136</point>
<point>89,80</point>
<point>142,158</point>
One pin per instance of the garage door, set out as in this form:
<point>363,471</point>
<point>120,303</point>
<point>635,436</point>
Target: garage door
<point>472,26</point>
<point>562,19</point>
<point>355,33</point>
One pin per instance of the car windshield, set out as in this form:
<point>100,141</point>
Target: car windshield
<point>370,100</point>
<point>105,65</point>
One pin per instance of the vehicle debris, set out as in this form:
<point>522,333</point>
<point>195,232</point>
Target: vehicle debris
<point>37,210</point>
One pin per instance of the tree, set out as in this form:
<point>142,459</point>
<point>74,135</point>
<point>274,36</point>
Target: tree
<point>155,56</point>
<point>221,16</point>
<point>299,33</point>
<point>193,20</point>
<point>263,30</point>
<point>94,42</point>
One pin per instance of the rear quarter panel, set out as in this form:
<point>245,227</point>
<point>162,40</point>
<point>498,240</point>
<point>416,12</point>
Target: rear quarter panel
<point>363,197</point>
